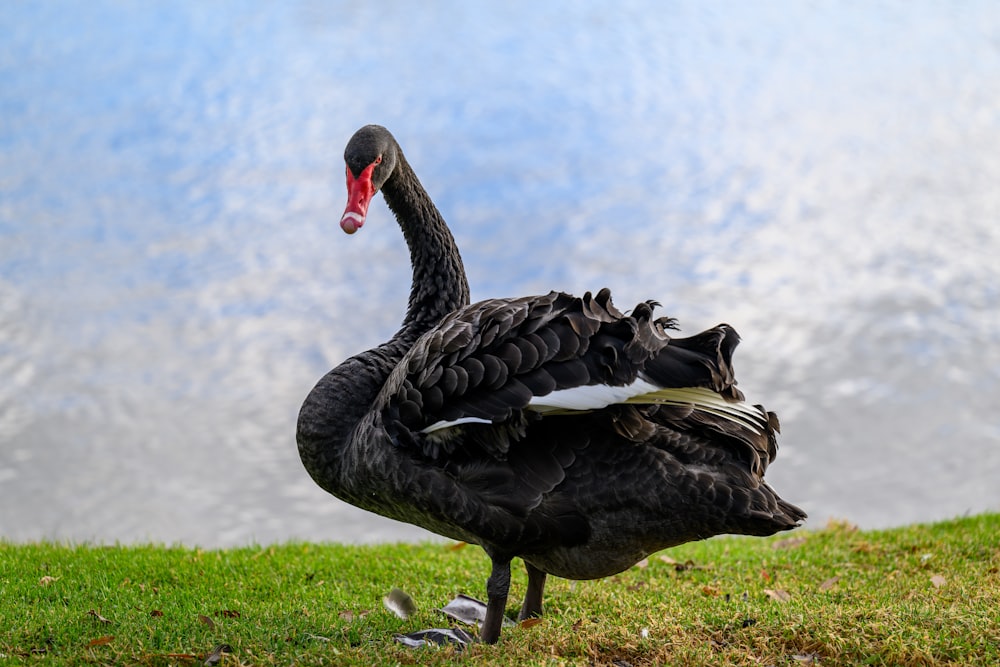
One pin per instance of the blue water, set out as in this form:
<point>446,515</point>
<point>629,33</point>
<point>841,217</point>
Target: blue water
<point>821,175</point>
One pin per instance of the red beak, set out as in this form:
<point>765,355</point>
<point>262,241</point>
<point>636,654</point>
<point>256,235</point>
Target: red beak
<point>360,191</point>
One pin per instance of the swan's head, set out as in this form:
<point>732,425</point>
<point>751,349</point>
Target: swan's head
<point>371,157</point>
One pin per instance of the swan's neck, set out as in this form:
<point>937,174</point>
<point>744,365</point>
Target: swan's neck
<point>439,283</point>
<point>338,442</point>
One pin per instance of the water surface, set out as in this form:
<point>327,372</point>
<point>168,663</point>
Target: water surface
<point>173,280</point>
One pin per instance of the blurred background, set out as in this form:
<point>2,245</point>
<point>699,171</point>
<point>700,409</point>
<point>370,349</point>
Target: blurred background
<point>823,176</point>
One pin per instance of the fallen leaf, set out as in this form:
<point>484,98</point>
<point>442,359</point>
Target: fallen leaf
<point>829,583</point>
<point>788,543</point>
<point>215,656</point>
<point>207,621</point>
<point>938,581</point>
<point>46,580</point>
<point>764,575</point>
<point>689,565</point>
<point>668,560</point>
<point>643,564</point>
<point>99,618</point>
<point>529,622</point>
<point>101,641</point>
<point>807,658</point>
<point>457,545</point>
<point>862,547</point>
<point>156,613</point>
<point>710,591</point>
<point>227,613</point>
<point>349,615</point>
<point>400,603</point>
<point>778,595</point>
<point>841,525</point>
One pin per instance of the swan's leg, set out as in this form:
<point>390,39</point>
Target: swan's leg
<point>533,597</point>
<point>497,587</point>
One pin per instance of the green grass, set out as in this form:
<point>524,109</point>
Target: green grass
<point>920,595</point>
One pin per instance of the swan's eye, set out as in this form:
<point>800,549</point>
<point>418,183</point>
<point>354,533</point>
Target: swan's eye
<point>378,160</point>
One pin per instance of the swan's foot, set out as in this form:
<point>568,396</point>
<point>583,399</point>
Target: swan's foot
<point>532,606</point>
<point>489,616</point>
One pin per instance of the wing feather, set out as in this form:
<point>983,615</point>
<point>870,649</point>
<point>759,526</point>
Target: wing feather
<point>493,364</point>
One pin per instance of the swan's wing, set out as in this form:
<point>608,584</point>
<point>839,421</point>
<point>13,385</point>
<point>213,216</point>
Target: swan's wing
<point>488,361</point>
<point>503,362</point>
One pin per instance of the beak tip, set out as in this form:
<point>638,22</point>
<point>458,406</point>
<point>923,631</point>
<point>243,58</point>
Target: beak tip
<point>351,222</point>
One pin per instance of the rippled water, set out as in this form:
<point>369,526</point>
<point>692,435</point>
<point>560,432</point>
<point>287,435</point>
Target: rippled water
<point>173,281</point>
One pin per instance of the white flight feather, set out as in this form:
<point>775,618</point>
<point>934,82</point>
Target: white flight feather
<point>437,426</point>
<point>590,396</point>
<point>640,392</point>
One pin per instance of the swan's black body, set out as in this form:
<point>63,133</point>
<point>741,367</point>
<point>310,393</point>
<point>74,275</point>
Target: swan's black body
<point>454,423</point>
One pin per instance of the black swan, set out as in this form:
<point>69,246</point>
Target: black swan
<point>552,428</point>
